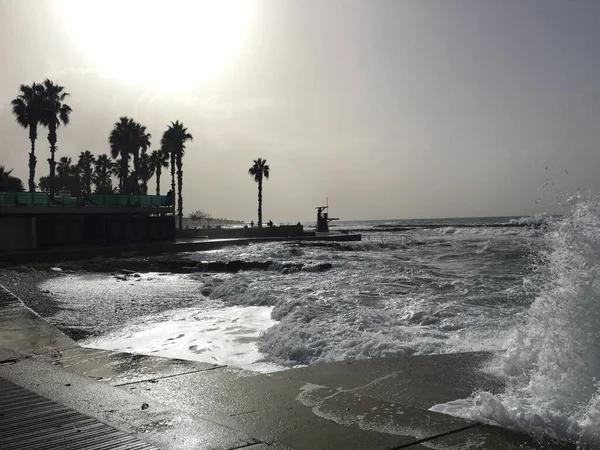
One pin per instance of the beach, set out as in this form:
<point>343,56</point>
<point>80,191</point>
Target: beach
<point>431,289</point>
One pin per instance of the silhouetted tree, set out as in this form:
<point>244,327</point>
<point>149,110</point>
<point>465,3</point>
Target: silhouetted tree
<point>103,170</point>
<point>9,183</point>
<point>44,184</point>
<point>258,171</point>
<point>85,165</point>
<point>27,109</point>
<point>121,146</point>
<point>146,170</point>
<point>158,160</point>
<point>165,148</point>
<point>67,177</point>
<point>54,112</point>
<point>199,215</point>
<point>140,146</point>
<point>116,170</point>
<point>174,140</point>
<point>127,139</point>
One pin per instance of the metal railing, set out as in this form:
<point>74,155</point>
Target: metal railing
<point>42,199</point>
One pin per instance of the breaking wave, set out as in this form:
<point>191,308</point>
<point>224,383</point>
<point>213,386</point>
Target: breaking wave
<point>552,365</point>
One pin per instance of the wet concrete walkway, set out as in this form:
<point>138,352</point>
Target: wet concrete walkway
<point>175,404</point>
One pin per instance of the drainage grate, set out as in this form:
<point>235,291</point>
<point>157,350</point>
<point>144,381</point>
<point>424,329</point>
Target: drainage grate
<point>29,421</point>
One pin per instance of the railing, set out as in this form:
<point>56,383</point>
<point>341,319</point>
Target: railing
<point>42,199</point>
<point>24,199</point>
<point>115,201</point>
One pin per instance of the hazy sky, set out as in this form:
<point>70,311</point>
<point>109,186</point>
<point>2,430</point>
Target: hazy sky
<point>392,109</point>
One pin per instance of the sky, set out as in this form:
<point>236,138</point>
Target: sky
<point>388,108</point>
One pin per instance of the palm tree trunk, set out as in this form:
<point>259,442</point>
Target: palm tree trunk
<point>135,176</point>
<point>260,203</point>
<point>51,160</point>
<point>179,189</point>
<point>158,172</point>
<point>32,158</point>
<point>124,173</point>
<point>88,181</point>
<point>173,175</point>
<point>173,180</point>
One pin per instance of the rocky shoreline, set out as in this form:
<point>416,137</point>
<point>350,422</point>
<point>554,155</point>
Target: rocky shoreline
<point>91,314</point>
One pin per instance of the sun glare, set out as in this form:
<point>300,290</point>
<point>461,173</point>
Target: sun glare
<point>164,44</point>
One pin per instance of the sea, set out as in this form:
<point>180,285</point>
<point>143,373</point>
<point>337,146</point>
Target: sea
<point>526,288</point>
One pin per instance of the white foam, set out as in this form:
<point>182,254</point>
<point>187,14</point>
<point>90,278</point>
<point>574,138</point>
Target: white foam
<point>225,336</point>
<point>538,219</point>
<point>385,421</point>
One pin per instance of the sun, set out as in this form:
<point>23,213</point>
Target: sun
<point>163,44</point>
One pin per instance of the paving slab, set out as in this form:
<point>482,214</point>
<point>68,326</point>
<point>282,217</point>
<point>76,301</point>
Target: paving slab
<point>273,408</point>
<point>273,446</point>
<point>419,381</point>
<point>24,332</point>
<point>486,437</point>
<point>143,417</point>
<point>118,368</point>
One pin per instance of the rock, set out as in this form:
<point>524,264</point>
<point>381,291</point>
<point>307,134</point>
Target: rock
<point>325,266</point>
<point>145,406</point>
<point>206,291</point>
<point>317,267</point>
<point>238,266</point>
<point>136,275</point>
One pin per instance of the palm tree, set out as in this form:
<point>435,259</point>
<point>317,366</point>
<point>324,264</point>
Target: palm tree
<point>259,170</point>
<point>127,139</point>
<point>28,111</point>
<point>63,166</point>
<point>67,176</point>
<point>121,141</point>
<point>174,140</point>
<point>85,166</point>
<point>115,169</point>
<point>146,170</point>
<point>103,175</point>
<point>158,160</point>
<point>166,149</point>
<point>54,112</point>
<point>9,183</point>
<point>141,143</point>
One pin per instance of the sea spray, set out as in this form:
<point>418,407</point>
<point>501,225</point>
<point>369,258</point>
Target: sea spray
<point>552,362</point>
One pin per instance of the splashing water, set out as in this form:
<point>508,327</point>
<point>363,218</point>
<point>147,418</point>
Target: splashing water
<point>552,363</point>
